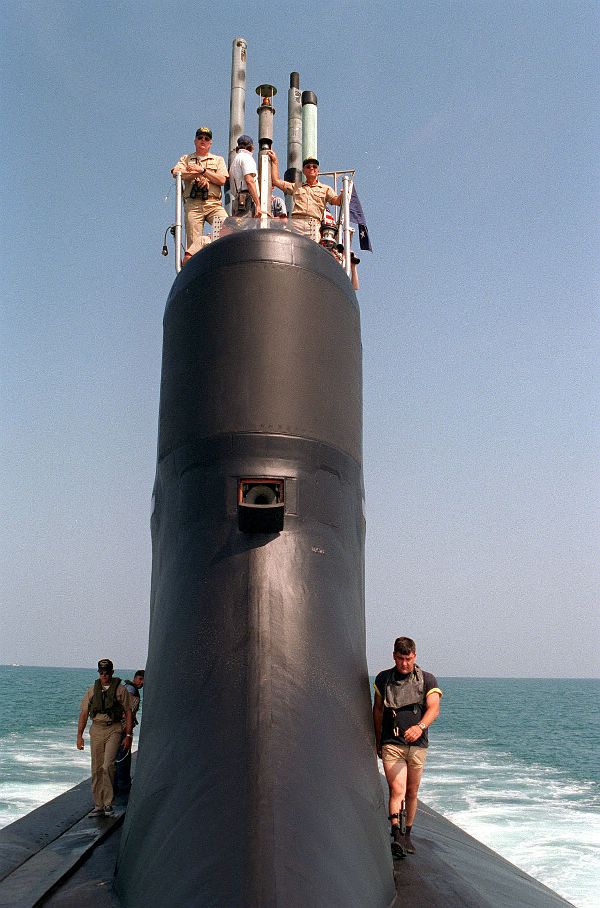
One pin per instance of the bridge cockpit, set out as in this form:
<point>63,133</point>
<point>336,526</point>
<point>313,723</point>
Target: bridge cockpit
<point>319,209</point>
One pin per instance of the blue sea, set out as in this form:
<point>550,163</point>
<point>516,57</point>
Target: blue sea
<point>514,762</point>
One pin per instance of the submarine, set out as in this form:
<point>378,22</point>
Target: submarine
<point>256,783</point>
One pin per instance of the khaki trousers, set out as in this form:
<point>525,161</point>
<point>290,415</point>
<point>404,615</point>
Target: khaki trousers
<point>196,212</point>
<point>306,226</point>
<point>104,744</point>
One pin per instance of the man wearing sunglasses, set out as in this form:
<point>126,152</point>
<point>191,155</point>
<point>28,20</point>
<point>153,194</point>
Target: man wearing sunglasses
<point>106,703</point>
<point>204,174</point>
<point>311,196</point>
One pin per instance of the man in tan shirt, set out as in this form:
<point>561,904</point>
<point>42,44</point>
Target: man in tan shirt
<point>204,174</point>
<point>106,702</point>
<point>311,196</point>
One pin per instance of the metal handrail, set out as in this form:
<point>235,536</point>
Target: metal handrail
<point>343,216</point>
<point>178,220</point>
<point>346,218</point>
<point>335,174</point>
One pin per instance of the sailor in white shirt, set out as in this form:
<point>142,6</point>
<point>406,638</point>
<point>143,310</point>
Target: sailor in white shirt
<point>243,180</point>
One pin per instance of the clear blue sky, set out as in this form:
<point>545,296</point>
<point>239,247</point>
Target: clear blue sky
<point>473,127</point>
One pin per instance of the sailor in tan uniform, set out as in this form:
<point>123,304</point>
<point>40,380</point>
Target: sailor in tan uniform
<point>106,702</point>
<point>204,174</point>
<point>310,197</point>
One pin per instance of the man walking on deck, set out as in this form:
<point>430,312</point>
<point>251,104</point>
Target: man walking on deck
<point>407,701</point>
<point>106,702</point>
<point>123,760</point>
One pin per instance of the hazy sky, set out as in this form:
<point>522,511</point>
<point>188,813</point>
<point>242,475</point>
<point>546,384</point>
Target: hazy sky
<point>473,127</point>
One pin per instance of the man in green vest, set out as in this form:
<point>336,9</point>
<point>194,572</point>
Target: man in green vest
<point>106,703</point>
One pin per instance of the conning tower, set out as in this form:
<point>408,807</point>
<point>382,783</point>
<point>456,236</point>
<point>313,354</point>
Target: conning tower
<point>256,781</point>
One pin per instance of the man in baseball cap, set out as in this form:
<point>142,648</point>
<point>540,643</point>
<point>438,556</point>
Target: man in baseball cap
<point>243,180</point>
<point>106,703</point>
<point>204,174</point>
<point>310,197</point>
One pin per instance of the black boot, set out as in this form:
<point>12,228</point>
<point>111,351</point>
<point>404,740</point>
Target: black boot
<point>398,849</point>
<point>407,842</point>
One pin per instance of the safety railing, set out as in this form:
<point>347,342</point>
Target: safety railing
<point>309,226</point>
<point>178,220</point>
<point>343,212</point>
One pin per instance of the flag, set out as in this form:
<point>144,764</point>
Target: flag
<point>357,216</point>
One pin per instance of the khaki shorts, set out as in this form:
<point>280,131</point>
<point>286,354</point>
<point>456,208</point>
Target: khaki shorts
<point>412,756</point>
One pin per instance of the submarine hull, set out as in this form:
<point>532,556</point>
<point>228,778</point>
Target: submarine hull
<point>255,783</point>
<point>257,736</point>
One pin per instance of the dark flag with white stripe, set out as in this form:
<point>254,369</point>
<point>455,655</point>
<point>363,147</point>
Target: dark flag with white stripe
<point>357,216</point>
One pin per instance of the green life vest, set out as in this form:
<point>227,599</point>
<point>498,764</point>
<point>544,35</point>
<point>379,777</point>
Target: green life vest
<point>105,701</point>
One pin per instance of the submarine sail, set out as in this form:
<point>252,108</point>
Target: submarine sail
<point>256,783</point>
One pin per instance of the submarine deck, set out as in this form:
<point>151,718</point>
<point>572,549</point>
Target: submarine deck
<point>58,856</point>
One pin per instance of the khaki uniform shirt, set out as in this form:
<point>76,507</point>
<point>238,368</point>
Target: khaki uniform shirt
<point>212,162</point>
<point>122,696</point>
<point>309,201</point>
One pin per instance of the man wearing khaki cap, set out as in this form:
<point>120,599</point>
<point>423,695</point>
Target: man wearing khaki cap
<point>106,703</point>
<point>204,174</point>
<point>311,196</point>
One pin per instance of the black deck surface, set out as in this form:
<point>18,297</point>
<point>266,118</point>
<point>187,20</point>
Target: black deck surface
<point>449,870</point>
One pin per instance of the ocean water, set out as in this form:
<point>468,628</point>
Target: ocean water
<point>513,762</point>
<point>39,709</point>
<point>516,763</point>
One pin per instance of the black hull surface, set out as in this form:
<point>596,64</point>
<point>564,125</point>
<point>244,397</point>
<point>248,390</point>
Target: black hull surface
<point>257,735</point>
<point>38,854</point>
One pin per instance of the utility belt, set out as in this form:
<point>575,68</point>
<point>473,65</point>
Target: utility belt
<point>243,203</point>
<point>105,723</point>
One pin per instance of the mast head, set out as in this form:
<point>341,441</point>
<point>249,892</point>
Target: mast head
<point>266,92</point>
